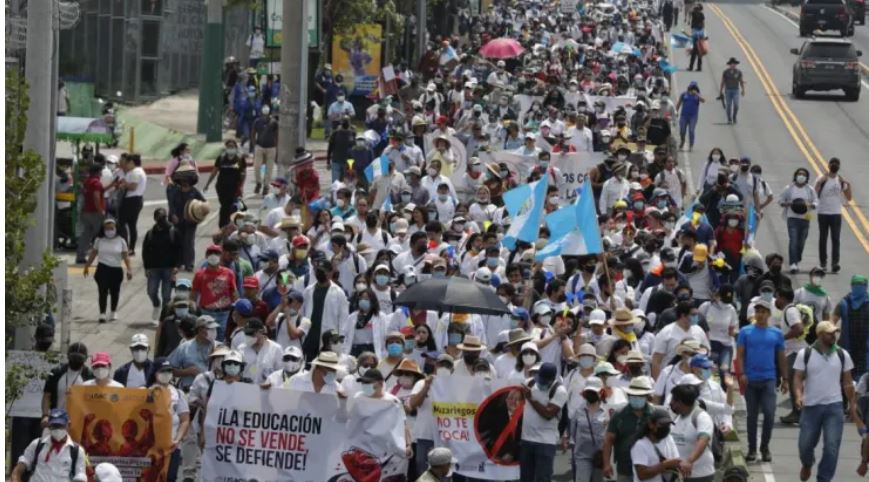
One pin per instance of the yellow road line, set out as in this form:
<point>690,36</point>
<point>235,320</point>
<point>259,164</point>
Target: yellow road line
<point>791,122</point>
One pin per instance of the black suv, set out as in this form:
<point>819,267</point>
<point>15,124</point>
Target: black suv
<point>826,15</point>
<point>858,9</point>
<point>827,64</point>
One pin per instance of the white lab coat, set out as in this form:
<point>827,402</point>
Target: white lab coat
<point>335,308</point>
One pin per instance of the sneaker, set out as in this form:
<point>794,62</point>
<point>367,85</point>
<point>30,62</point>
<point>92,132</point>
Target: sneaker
<point>265,191</point>
<point>836,268</point>
<point>795,268</point>
<point>751,456</point>
<point>791,418</point>
<point>113,316</point>
<point>805,473</point>
<point>102,318</point>
<point>765,455</point>
<point>257,188</point>
<point>154,323</point>
<point>155,313</point>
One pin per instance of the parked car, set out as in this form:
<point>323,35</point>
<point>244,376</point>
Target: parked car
<point>827,64</point>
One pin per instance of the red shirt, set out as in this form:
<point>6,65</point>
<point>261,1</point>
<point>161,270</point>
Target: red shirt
<point>92,185</point>
<point>216,287</point>
<point>729,240</point>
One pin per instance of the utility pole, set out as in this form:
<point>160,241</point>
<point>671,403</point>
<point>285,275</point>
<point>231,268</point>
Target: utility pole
<point>421,21</point>
<point>210,118</point>
<point>39,62</point>
<point>294,78</point>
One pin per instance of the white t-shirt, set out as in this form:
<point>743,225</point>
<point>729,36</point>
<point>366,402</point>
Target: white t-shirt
<point>58,464</point>
<point>667,379</point>
<point>536,428</point>
<point>790,316</point>
<point>110,251</point>
<point>721,317</point>
<point>136,175</point>
<point>685,435</point>
<point>643,453</point>
<point>178,407</point>
<point>823,378</point>
<point>831,198</point>
<point>671,335</point>
<point>136,377</point>
<point>283,338</point>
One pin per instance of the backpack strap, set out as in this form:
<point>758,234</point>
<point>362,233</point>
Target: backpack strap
<point>36,452</point>
<point>73,458</point>
<point>356,261</point>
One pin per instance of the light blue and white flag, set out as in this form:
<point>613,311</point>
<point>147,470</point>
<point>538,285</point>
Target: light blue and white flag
<point>377,169</point>
<point>525,205</point>
<point>574,228</point>
<point>679,41</point>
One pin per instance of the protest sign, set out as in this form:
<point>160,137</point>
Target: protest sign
<point>278,435</point>
<point>480,421</point>
<point>130,428</point>
<point>573,167</point>
<point>35,366</point>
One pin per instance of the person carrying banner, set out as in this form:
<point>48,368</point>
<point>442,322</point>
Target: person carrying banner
<point>180,412</point>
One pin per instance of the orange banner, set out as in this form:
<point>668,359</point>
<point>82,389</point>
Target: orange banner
<point>130,428</point>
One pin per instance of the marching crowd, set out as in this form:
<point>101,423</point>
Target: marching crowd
<point>631,358</point>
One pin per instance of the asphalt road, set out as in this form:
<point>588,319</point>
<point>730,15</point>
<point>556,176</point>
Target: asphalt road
<point>783,134</point>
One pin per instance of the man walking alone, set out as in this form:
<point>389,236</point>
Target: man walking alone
<point>732,86</point>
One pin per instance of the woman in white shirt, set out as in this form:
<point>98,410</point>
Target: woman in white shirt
<point>109,250</point>
<point>529,356</point>
<point>655,453</point>
<point>365,328</point>
<point>134,183</point>
<point>291,326</point>
<point>798,199</point>
<point>723,321</point>
<point>692,433</point>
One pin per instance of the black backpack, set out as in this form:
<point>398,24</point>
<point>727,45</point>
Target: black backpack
<point>716,443</point>
<point>73,455</point>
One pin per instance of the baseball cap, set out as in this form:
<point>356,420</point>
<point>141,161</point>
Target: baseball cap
<point>597,317</point>
<point>764,304</point>
<point>593,384</point>
<point>826,327</point>
<point>206,321</point>
<point>253,326</point>
<point>701,361</point>
<point>250,282</point>
<point>139,339</point>
<point>58,416</point>
<point>548,371</point>
<point>183,283</point>
<point>440,456</point>
<point>701,251</point>
<point>279,181</point>
<point>163,364</point>
<point>243,307</point>
<point>214,248</point>
<point>101,358</point>
<point>370,376</point>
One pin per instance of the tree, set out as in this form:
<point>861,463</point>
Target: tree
<point>30,290</point>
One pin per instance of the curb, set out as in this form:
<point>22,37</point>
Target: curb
<point>157,169</point>
<point>864,69</point>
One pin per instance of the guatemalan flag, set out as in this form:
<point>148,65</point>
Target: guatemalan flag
<point>679,41</point>
<point>573,228</point>
<point>377,169</point>
<point>525,205</point>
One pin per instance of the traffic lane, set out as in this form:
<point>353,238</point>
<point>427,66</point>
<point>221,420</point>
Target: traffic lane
<point>772,149</point>
<point>819,121</point>
<point>860,37</point>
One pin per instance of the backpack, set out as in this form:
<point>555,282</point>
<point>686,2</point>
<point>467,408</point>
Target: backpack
<point>359,240</point>
<point>753,184</point>
<point>73,456</point>
<point>716,443</point>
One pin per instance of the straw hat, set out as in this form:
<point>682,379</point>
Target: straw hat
<point>640,386</point>
<point>409,366</point>
<point>471,343</point>
<point>517,335</point>
<point>623,317</point>
<point>327,359</point>
<point>196,211</point>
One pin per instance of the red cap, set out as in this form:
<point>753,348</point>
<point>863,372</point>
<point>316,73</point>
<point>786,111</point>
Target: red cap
<point>214,248</point>
<point>101,358</point>
<point>300,240</point>
<point>250,282</point>
<point>442,119</point>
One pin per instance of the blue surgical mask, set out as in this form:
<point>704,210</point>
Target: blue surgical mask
<point>637,402</point>
<point>368,389</point>
<point>706,373</point>
<point>695,319</point>
<point>394,349</point>
<point>492,261</point>
<point>409,344</point>
<point>330,377</point>
<point>455,338</point>
<point>365,305</point>
<point>586,361</point>
<point>381,279</point>
<point>514,323</point>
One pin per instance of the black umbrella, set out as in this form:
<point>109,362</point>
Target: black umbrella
<point>453,294</point>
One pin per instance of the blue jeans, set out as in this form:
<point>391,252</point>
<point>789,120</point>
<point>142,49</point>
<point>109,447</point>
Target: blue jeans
<point>338,168</point>
<point>722,356</point>
<point>221,318</point>
<point>760,396</point>
<point>731,104</point>
<point>536,461</point>
<point>689,123</point>
<point>174,464</point>
<point>815,419</point>
<point>798,231</point>
<point>159,280</point>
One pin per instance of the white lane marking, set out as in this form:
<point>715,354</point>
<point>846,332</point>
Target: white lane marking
<point>766,469</point>
<point>788,20</point>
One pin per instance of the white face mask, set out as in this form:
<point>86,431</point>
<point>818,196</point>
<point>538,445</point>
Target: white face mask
<point>529,360</point>
<point>213,259</point>
<point>432,172</point>
<point>232,370</point>
<point>164,378</point>
<point>330,378</point>
<point>110,233</point>
<point>101,373</point>
<point>211,334</point>
<point>58,434</point>
<point>140,356</point>
<point>338,347</point>
<point>292,366</point>
<point>733,223</point>
<point>249,340</point>
<point>443,371</point>
<point>406,381</point>
<point>801,179</point>
<point>716,157</point>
